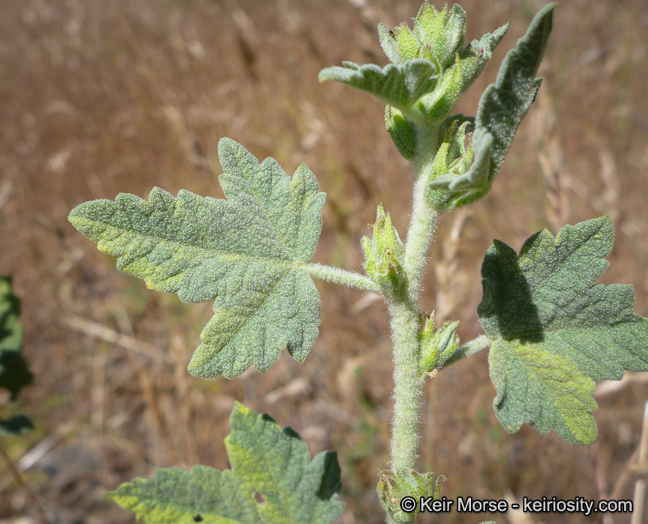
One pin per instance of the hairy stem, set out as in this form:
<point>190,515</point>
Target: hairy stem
<point>408,383</point>
<point>404,311</point>
<point>342,276</point>
<point>424,217</point>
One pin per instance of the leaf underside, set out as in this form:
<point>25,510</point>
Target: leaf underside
<point>554,331</point>
<point>245,253</point>
<point>399,85</point>
<point>267,462</point>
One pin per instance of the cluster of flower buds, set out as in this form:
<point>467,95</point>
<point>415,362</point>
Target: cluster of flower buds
<point>438,37</point>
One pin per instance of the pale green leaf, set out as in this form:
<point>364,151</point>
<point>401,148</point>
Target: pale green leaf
<point>266,461</point>
<point>400,85</point>
<point>245,253</point>
<point>501,109</point>
<point>554,331</point>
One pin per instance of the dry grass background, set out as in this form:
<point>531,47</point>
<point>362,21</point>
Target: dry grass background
<point>101,97</point>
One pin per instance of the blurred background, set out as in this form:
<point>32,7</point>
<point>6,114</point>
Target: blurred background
<point>101,97</point>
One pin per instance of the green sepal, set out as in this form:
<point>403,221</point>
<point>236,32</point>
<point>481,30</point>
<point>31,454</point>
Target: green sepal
<point>459,157</point>
<point>554,331</point>
<point>462,72</point>
<point>440,33</point>
<point>17,425</point>
<point>399,44</point>
<point>394,485</point>
<point>477,54</point>
<point>265,460</point>
<point>452,156</point>
<point>402,132</point>
<point>384,254</point>
<point>439,104</point>
<point>246,253</point>
<point>501,109</point>
<point>437,344</point>
<point>400,85</point>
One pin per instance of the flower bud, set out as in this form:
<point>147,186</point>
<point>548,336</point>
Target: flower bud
<point>437,346</point>
<point>384,254</point>
<point>437,36</point>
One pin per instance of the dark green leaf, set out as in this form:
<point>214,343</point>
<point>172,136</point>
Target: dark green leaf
<point>14,373</point>
<point>554,331</point>
<point>501,109</point>
<point>15,426</point>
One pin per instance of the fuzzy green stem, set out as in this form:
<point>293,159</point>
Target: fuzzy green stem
<point>424,217</point>
<point>342,276</point>
<point>408,383</point>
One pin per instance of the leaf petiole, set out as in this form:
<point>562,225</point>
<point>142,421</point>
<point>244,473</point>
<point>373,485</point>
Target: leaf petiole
<point>470,348</point>
<point>342,276</point>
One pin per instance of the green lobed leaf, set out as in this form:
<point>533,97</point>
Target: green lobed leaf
<point>245,252</point>
<point>265,461</point>
<point>400,85</point>
<point>554,331</point>
<point>501,109</point>
<point>14,373</point>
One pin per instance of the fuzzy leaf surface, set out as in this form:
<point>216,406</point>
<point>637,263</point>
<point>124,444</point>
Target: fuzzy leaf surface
<point>400,86</point>
<point>265,460</point>
<point>14,373</point>
<point>501,109</point>
<point>554,331</point>
<point>245,253</point>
